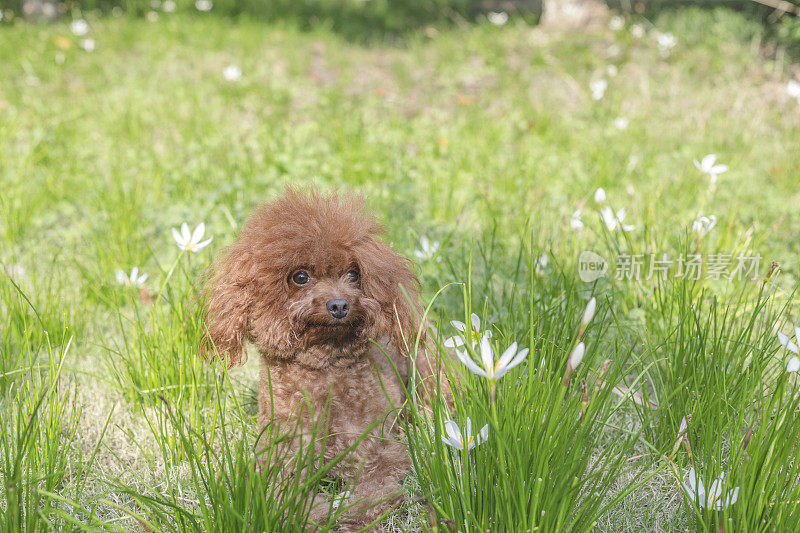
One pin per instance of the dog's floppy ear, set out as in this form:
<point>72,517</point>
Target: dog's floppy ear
<point>228,298</point>
<point>383,273</point>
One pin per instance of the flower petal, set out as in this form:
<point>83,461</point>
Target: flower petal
<point>476,322</point>
<point>714,500</point>
<point>786,343</point>
<point>453,434</point>
<point>460,326</point>
<point>520,357</point>
<point>185,233</point>
<point>599,196</point>
<point>464,357</point>
<point>454,341</point>
<point>793,365</point>
<point>588,312</point>
<point>732,496</point>
<point>607,215</point>
<point>201,245</point>
<point>692,479</point>
<point>690,492</point>
<point>487,356</point>
<point>576,356</point>
<point>509,354</point>
<point>783,339</point>
<point>719,169</point>
<point>177,236</point>
<point>198,232</point>
<point>484,434</point>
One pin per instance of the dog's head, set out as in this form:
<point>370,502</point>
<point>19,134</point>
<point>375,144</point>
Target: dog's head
<point>308,280</point>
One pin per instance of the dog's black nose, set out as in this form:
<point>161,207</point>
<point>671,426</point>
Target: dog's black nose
<point>338,308</point>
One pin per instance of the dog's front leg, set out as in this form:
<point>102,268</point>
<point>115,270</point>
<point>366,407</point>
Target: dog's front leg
<point>377,471</point>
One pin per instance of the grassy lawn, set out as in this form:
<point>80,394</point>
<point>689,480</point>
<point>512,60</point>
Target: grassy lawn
<point>484,139</point>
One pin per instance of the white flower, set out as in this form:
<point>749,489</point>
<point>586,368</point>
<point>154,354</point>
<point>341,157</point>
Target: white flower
<point>576,356</point>
<point>459,440</point>
<point>190,241</point>
<point>714,499</point>
<point>16,271</point>
<point>787,342</point>
<point>614,221</point>
<point>621,123</point>
<point>541,264</point>
<point>492,369</point>
<point>666,42</point>
<point>475,333</point>
<point>498,18</point>
<point>428,249</point>
<point>707,166</point>
<point>575,221</point>
<point>588,312</point>
<point>79,27</point>
<point>151,16</point>
<point>203,5</point>
<point>169,6</point>
<point>616,23</point>
<point>134,280</point>
<point>637,30</point>
<point>598,88</point>
<point>232,73</point>
<point>87,44</point>
<point>793,89</point>
<point>339,499</point>
<point>793,365</point>
<point>702,225</point>
<point>600,195</point>
<point>612,71</point>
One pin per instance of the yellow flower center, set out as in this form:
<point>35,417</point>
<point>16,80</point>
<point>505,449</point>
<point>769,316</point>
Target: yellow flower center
<point>469,441</point>
<point>492,369</point>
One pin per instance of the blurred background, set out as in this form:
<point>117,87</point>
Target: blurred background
<point>363,19</point>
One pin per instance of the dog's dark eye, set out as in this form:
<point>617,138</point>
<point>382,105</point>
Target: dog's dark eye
<point>300,277</point>
<point>353,274</point>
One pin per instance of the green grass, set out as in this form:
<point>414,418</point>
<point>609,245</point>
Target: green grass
<point>483,138</point>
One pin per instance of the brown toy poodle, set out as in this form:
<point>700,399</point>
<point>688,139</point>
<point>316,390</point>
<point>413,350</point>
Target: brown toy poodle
<point>320,297</point>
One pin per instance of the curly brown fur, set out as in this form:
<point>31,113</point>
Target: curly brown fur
<point>273,287</point>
